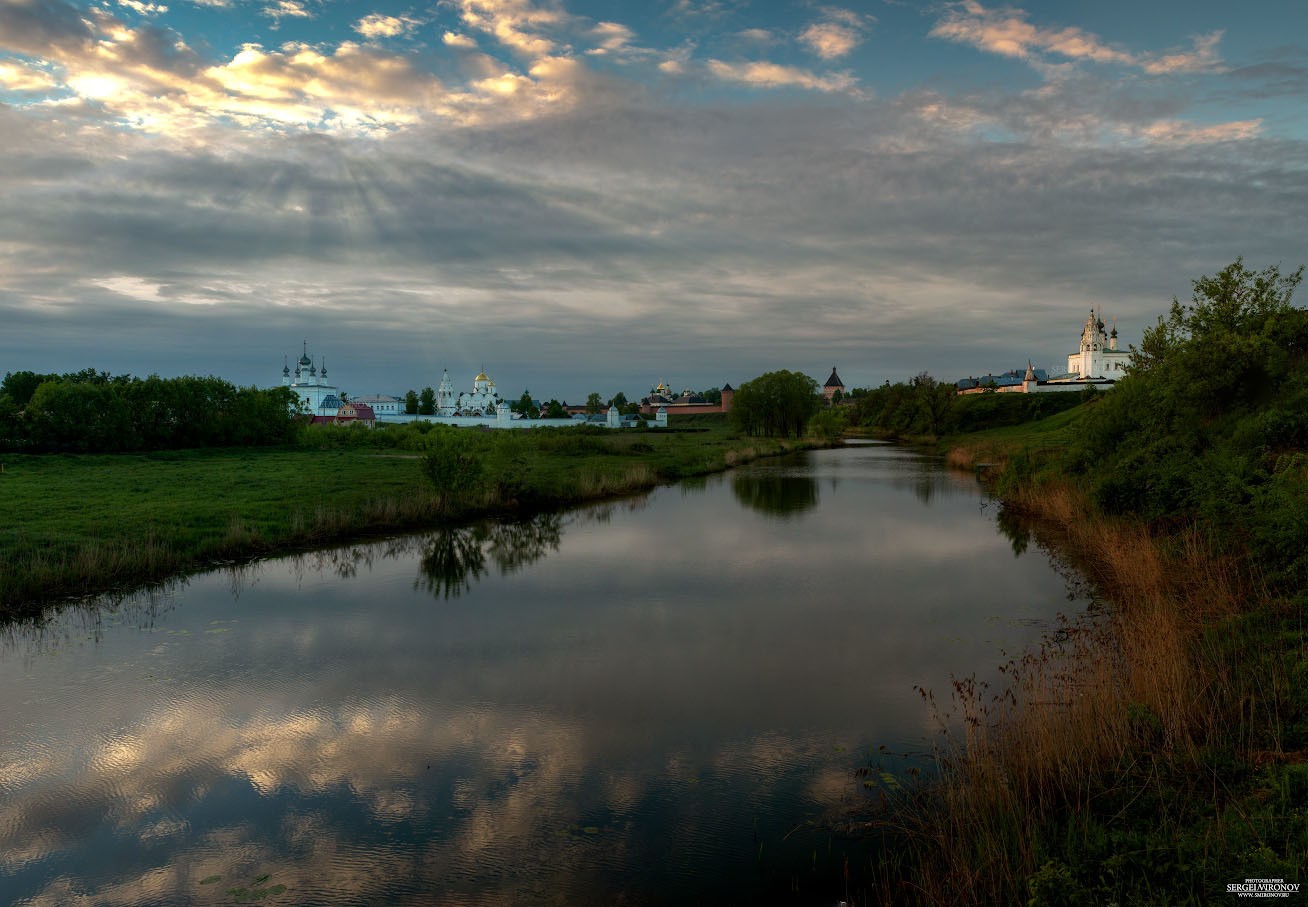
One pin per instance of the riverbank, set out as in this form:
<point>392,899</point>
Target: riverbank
<point>1152,751</point>
<point>74,525</point>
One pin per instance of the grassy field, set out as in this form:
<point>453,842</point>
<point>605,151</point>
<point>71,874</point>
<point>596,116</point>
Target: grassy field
<point>80,524</point>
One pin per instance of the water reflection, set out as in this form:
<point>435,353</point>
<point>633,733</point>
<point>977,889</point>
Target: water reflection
<point>775,494</point>
<point>1014,528</point>
<point>611,706</point>
<point>453,558</point>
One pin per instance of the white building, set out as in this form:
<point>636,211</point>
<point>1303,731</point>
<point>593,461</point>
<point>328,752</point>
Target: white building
<point>480,407</point>
<point>382,404</point>
<point>310,384</point>
<point>483,400</point>
<point>1098,356</point>
<point>1098,363</point>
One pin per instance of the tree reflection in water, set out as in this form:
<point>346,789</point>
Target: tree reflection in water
<point>452,559</point>
<point>775,495</point>
<point>1015,529</point>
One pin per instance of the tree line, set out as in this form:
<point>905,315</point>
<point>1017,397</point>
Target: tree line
<point>93,411</point>
<point>923,406</point>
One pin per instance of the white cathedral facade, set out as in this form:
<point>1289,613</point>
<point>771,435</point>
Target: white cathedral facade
<point>315,395</point>
<point>1097,362</point>
<point>484,400</point>
<point>1098,356</point>
<point>482,406</point>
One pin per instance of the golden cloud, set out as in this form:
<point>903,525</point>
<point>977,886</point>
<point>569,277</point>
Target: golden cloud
<point>375,25</point>
<point>514,23</point>
<point>1204,56</point>
<point>1008,34</point>
<point>774,75</point>
<point>16,76</point>
<point>830,40</point>
<point>1179,132</point>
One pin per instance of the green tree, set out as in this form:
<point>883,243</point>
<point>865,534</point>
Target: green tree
<point>65,415</point>
<point>775,404</point>
<point>427,402</point>
<point>525,405</point>
<point>20,386</point>
<point>452,465</point>
<point>594,403</point>
<point>1234,302</point>
<point>933,399</point>
<point>829,424</point>
<point>1210,423</point>
<point>619,400</point>
<point>12,435</point>
<point>554,410</point>
<point>411,403</point>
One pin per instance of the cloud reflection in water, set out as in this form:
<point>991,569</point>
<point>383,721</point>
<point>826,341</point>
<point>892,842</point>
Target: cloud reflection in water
<point>620,701</point>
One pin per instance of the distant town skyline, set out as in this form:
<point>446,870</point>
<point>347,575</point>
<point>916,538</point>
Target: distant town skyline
<point>585,196</point>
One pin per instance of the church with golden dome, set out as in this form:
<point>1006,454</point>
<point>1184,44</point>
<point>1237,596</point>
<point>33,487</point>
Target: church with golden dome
<point>483,400</point>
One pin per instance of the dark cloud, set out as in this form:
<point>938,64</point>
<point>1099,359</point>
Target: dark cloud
<point>633,238</point>
<point>40,27</point>
<point>1274,78</point>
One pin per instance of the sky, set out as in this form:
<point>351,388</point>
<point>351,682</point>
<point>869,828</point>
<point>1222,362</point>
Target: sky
<point>582,196</point>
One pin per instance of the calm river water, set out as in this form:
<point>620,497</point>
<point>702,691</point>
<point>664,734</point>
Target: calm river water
<point>661,700</point>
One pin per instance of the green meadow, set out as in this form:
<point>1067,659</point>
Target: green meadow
<point>78,524</point>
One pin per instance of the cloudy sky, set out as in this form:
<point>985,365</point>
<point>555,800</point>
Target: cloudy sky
<point>580,195</point>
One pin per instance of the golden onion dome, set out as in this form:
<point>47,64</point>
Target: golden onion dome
<point>481,376</point>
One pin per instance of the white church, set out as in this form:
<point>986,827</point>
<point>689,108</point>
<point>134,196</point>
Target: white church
<point>318,397</point>
<point>482,406</point>
<point>1098,356</point>
<point>1096,363</point>
<point>315,395</point>
<point>484,400</point>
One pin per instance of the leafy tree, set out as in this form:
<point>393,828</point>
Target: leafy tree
<point>411,403</point>
<point>775,404</point>
<point>933,400</point>
<point>828,423</point>
<point>427,402</point>
<point>1210,423</point>
<point>525,405</point>
<point>713,395</point>
<point>619,400</point>
<point>594,403</point>
<point>11,432</point>
<point>1235,302</point>
<point>452,465</point>
<point>554,410</point>
<point>20,386</point>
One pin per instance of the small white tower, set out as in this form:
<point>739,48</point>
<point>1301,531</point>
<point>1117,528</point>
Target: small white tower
<point>445,398</point>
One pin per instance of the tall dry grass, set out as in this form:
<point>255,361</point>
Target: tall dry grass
<point>1142,676</point>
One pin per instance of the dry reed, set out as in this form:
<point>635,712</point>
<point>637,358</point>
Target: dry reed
<point>1143,676</point>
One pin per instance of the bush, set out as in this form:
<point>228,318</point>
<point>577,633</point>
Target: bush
<point>1209,421</point>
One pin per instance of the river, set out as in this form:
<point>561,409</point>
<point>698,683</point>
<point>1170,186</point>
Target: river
<point>665,699</point>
